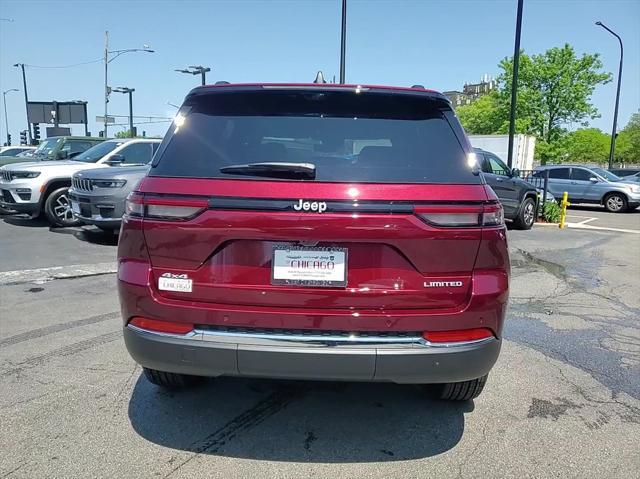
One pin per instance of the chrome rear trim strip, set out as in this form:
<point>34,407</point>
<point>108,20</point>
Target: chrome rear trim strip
<point>274,339</point>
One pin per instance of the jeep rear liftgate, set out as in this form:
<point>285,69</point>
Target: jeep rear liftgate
<point>367,254</point>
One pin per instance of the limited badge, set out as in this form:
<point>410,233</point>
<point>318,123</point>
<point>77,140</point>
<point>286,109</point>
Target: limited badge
<point>175,282</point>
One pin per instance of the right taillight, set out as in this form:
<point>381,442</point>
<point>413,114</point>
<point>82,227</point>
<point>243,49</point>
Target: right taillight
<point>493,215</point>
<point>462,216</point>
<point>168,208</point>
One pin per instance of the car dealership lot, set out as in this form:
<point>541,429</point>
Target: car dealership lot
<point>563,400</point>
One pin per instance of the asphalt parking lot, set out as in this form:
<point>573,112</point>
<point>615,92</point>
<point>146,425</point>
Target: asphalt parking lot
<point>595,217</point>
<point>563,400</point>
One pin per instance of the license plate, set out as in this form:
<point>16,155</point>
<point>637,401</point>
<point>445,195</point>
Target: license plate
<point>75,207</point>
<point>175,284</point>
<point>308,266</point>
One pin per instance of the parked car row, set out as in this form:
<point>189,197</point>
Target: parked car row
<point>21,151</point>
<point>592,185</point>
<point>39,187</point>
<point>54,148</point>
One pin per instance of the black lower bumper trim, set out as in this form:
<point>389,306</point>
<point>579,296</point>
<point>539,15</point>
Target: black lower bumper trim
<point>414,365</point>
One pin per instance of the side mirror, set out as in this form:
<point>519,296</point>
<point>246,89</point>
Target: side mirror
<point>115,160</point>
<point>62,155</point>
<point>515,172</point>
<point>74,154</point>
<point>593,179</point>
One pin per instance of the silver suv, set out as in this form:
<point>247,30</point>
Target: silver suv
<point>591,185</point>
<point>41,187</point>
<point>98,196</point>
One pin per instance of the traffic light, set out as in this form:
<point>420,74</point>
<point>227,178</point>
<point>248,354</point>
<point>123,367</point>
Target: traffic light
<point>23,137</point>
<point>36,132</point>
<point>8,139</point>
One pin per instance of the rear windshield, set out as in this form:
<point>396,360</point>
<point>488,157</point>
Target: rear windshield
<point>347,136</point>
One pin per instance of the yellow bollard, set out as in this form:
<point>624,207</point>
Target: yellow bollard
<point>563,204</point>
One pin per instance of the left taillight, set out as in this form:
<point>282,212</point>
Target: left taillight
<point>168,208</point>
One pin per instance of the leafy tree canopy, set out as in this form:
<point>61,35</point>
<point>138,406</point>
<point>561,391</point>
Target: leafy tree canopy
<point>554,93</point>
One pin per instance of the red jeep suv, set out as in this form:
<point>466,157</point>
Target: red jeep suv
<point>315,231</point>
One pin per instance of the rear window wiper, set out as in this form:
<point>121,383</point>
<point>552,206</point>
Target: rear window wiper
<point>274,169</point>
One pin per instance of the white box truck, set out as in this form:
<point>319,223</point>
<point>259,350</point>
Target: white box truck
<point>523,148</point>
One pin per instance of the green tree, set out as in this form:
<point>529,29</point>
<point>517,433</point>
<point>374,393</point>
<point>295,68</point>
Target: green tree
<point>554,90</point>
<point>587,145</point>
<point>628,142</point>
<point>123,134</point>
<point>482,117</point>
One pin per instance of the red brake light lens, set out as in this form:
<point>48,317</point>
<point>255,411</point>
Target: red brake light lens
<point>457,335</point>
<point>164,208</point>
<point>462,216</point>
<point>452,219</point>
<point>169,327</point>
<point>493,215</point>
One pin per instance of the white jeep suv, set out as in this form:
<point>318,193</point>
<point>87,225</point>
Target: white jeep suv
<point>41,187</point>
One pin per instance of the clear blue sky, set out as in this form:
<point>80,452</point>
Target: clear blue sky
<point>440,44</point>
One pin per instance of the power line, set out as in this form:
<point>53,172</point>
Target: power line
<point>162,118</point>
<point>140,123</point>
<point>64,66</point>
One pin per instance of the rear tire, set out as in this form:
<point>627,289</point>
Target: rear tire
<point>527,215</point>
<point>171,380</point>
<point>615,203</point>
<point>462,391</point>
<point>57,208</point>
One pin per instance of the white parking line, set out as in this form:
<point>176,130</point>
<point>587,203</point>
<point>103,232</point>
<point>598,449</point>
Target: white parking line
<point>43,275</point>
<point>600,228</point>
<point>583,226</point>
<point>588,220</point>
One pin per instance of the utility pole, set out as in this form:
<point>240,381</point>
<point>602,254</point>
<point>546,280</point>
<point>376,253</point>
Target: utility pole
<point>26,99</point>
<point>124,89</point>
<point>514,84</point>
<point>106,87</point>
<point>6,118</point>
<point>612,148</point>
<point>196,70</point>
<point>343,41</point>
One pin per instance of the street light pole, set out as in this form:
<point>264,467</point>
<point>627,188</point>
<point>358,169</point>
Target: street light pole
<point>514,84</point>
<point>108,60</point>
<point>612,148</point>
<point>6,118</point>
<point>124,89</point>
<point>26,99</point>
<point>343,41</point>
<point>196,70</point>
<point>131,130</point>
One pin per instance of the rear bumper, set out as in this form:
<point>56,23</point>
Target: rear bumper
<point>206,353</point>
